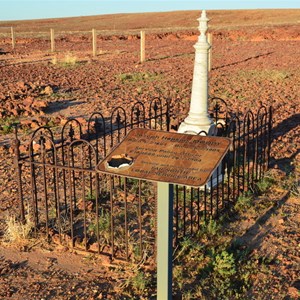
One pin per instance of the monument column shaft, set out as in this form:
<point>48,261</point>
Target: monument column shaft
<point>199,97</point>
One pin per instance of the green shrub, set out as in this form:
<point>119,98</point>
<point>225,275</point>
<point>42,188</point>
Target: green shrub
<point>264,185</point>
<point>224,265</point>
<point>137,76</point>
<point>244,202</point>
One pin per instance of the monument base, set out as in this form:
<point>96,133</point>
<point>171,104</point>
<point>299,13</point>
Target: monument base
<point>209,129</point>
<point>216,178</point>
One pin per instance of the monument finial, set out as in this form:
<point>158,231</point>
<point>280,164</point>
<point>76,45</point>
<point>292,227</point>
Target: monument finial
<point>203,26</point>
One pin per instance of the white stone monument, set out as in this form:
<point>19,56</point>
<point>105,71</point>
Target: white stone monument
<point>198,118</point>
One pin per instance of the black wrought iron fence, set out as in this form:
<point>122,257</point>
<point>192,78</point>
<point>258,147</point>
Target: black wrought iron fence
<point>243,166</point>
<point>116,216</point>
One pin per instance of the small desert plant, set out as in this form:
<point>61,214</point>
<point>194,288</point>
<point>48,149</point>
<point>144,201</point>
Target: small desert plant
<point>6,125</point>
<point>184,248</point>
<point>187,295</point>
<point>139,282</point>
<point>69,60</point>
<point>51,124</point>
<point>136,284</point>
<point>54,61</point>
<point>295,188</point>
<point>272,75</point>
<point>264,185</point>
<point>91,195</point>
<point>292,181</point>
<point>17,231</point>
<point>178,276</point>
<point>219,275</point>
<point>211,228</point>
<point>189,247</point>
<point>52,213</point>
<point>102,52</point>
<point>5,129</point>
<point>103,226</point>
<point>137,76</point>
<point>244,202</point>
<point>224,264</point>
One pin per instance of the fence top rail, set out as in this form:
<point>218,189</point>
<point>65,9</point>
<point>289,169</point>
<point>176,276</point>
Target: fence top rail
<point>60,166</point>
<point>106,31</point>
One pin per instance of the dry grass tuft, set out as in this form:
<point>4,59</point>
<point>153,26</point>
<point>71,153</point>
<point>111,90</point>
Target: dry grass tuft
<point>16,231</point>
<point>70,60</point>
<point>67,61</point>
<point>54,60</point>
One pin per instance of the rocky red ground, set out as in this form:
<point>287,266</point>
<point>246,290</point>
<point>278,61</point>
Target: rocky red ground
<point>250,65</point>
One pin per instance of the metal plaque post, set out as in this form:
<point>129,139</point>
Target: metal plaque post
<point>164,240</point>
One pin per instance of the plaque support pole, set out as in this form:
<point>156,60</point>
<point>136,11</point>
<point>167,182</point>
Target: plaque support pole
<point>164,240</point>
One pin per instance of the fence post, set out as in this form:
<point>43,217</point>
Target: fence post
<point>94,42</point>
<point>16,145</point>
<point>13,38</point>
<point>142,46</point>
<point>270,123</point>
<point>209,39</point>
<point>52,40</point>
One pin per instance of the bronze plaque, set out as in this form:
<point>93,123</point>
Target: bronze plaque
<point>166,157</point>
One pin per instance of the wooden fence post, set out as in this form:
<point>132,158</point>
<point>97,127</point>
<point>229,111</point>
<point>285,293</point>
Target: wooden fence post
<point>142,46</point>
<point>13,38</point>
<point>52,40</point>
<point>94,42</point>
<point>209,39</point>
